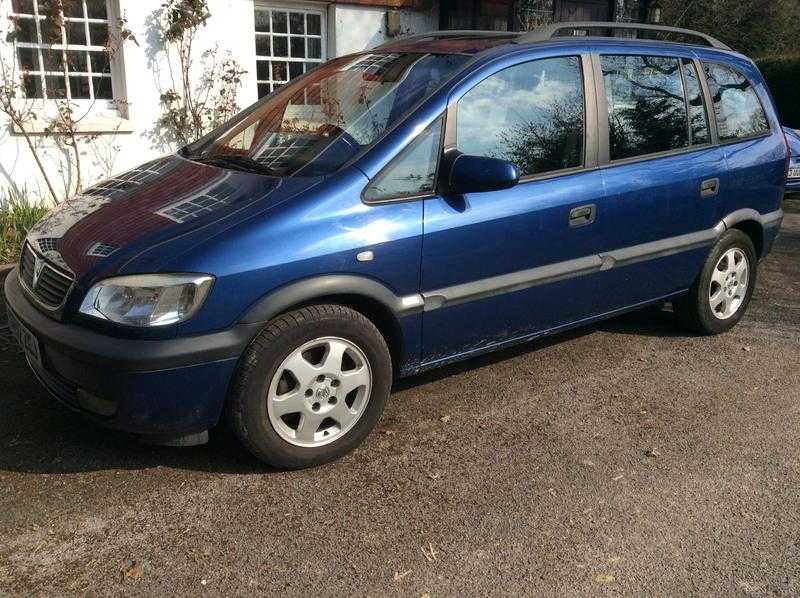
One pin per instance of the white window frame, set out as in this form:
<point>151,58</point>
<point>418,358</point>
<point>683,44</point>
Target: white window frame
<point>101,115</point>
<point>300,7</point>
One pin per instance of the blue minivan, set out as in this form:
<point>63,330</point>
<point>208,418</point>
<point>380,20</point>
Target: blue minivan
<point>438,197</point>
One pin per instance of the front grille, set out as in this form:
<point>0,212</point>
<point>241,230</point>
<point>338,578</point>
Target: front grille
<point>26,266</point>
<point>51,286</point>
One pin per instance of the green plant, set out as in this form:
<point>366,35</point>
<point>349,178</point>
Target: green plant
<point>18,214</point>
<point>782,74</point>
<point>189,111</point>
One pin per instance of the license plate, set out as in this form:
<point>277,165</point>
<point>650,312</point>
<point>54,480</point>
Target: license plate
<point>794,173</point>
<point>26,339</point>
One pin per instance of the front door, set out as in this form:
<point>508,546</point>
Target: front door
<point>512,263</point>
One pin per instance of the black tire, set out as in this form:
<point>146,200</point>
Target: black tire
<point>694,311</point>
<point>246,408</point>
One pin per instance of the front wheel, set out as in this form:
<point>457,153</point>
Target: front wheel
<point>719,297</point>
<point>311,386</point>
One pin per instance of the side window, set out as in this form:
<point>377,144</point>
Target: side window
<point>646,105</point>
<point>698,119</point>
<point>737,107</point>
<point>413,171</point>
<point>531,114</point>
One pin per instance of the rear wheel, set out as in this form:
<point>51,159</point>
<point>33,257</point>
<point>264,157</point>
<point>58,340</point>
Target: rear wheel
<point>719,297</point>
<point>311,386</point>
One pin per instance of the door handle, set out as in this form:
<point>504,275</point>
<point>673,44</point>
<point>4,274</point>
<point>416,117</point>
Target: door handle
<point>582,215</point>
<point>709,188</point>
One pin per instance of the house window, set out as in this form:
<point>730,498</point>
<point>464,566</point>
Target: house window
<point>65,55</point>
<point>289,42</point>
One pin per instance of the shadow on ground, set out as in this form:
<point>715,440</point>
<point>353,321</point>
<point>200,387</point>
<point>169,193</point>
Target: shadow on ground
<point>40,436</point>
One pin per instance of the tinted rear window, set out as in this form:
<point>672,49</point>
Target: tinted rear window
<point>646,105</point>
<point>736,105</point>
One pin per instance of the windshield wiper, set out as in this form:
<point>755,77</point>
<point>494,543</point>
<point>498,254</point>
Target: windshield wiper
<point>236,162</point>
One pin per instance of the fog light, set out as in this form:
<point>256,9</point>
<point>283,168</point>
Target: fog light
<point>95,404</point>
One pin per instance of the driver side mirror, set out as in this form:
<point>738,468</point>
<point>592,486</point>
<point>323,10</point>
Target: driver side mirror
<point>475,174</point>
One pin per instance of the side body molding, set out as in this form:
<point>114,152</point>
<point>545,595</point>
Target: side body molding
<point>309,289</point>
<point>516,281</point>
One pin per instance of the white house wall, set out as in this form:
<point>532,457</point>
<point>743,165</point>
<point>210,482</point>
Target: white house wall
<point>146,74</point>
<point>358,27</point>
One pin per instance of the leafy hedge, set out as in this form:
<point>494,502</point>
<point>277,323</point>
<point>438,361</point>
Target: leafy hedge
<point>783,77</point>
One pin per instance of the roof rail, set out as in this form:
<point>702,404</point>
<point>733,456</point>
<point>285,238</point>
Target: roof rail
<point>549,31</point>
<point>446,34</point>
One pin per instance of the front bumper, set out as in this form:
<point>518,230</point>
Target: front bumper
<point>172,386</point>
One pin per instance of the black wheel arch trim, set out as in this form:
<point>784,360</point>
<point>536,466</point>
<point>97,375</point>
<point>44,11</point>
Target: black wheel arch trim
<point>765,220</point>
<point>320,287</point>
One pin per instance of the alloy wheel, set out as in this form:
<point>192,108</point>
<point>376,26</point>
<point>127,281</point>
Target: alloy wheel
<point>319,392</point>
<point>729,283</point>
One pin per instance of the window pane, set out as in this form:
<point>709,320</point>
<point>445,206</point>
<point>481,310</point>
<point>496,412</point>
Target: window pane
<point>76,61</point>
<point>646,106</point>
<point>313,25</point>
<point>101,62</point>
<point>28,59</point>
<point>22,6</point>
<point>698,120</point>
<point>96,9</point>
<point>262,70</point>
<point>298,47</point>
<point>53,60</point>
<point>33,86</point>
<point>296,23</point>
<point>102,88</point>
<point>279,22</point>
<point>530,114</point>
<point>295,69</point>
<point>279,71</point>
<point>26,31</point>
<point>76,32</point>
<point>72,8</point>
<point>263,89</point>
<point>56,87</point>
<point>736,105</point>
<point>262,20</point>
<point>79,88</point>
<point>262,46</point>
<point>413,172</point>
<point>314,48</point>
<point>280,46</point>
<point>98,33</point>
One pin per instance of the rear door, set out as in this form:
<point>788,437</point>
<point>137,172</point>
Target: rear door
<point>506,264</point>
<point>664,174</point>
<point>750,136</point>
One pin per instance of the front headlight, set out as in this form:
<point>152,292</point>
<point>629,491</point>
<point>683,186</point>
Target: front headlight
<point>147,299</point>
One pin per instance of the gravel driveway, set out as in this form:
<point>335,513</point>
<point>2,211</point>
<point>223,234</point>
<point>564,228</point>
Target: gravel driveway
<point>625,458</point>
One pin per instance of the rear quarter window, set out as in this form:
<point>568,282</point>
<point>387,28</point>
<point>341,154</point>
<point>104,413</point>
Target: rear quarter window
<point>736,105</point>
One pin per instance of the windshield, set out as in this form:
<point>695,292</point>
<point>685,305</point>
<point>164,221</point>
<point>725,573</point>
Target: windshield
<point>314,125</point>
